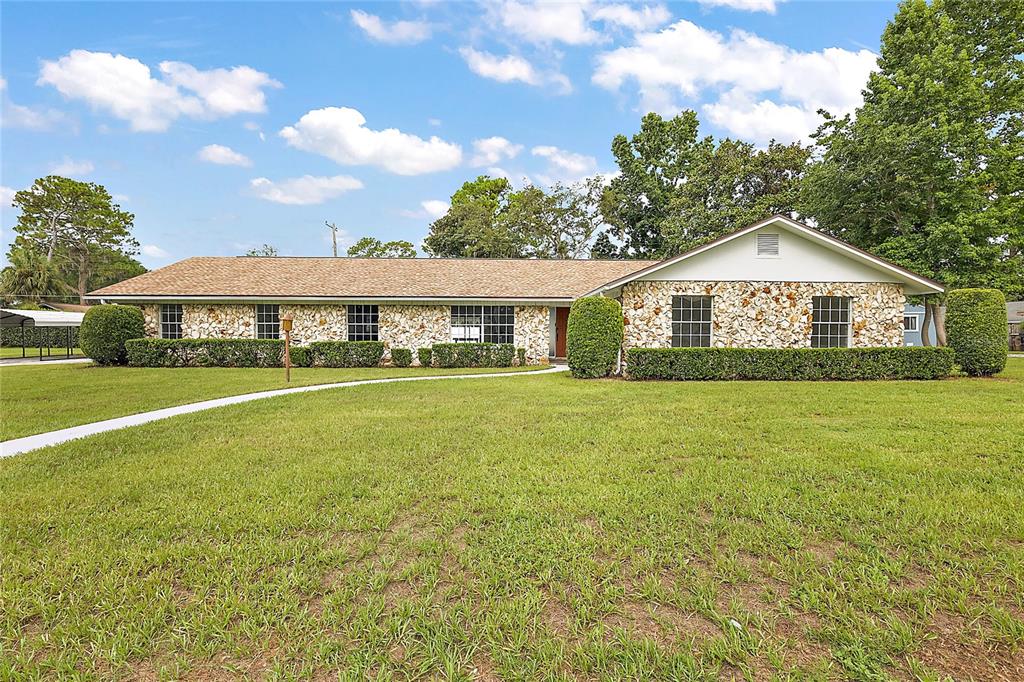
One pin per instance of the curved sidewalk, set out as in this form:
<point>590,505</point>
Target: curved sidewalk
<point>42,440</point>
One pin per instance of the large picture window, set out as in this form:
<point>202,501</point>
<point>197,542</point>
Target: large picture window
<point>170,321</point>
<point>830,322</point>
<point>691,321</point>
<point>483,323</point>
<point>268,321</point>
<point>363,323</point>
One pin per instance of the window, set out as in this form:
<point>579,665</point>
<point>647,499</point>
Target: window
<point>362,323</point>
<point>910,323</point>
<point>830,322</point>
<point>691,321</point>
<point>170,321</point>
<point>268,323</point>
<point>767,244</point>
<point>483,323</point>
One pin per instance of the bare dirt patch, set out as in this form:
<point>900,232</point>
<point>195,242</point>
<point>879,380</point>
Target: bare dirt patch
<point>664,624</point>
<point>955,649</point>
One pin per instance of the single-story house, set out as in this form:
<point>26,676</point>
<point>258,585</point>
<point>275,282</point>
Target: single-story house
<point>777,283</point>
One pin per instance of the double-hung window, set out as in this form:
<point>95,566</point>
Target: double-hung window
<point>830,322</point>
<point>483,323</point>
<point>268,321</point>
<point>691,321</point>
<point>363,323</point>
<point>170,321</point>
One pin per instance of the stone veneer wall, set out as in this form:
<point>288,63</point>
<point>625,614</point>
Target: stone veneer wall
<point>315,322</point>
<point>763,314</point>
<point>413,326</point>
<point>532,332</point>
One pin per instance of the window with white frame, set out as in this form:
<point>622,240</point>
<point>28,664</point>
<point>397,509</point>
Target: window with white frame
<point>910,323</point>
<point>170,321</point>
<point>830,322</point>
<point>363,323</point>
<point>691,321</point>
<point>483,323</point>
<point>268,321</point>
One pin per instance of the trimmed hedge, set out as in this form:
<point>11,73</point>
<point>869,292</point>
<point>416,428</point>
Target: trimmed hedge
<point>299,355</point>
<point>106,328</point>
<point>53,337</point>
<point>401,357</point>
<point>424,355</point>
<point>521,356</point>
<point>593,336</point>
<point>976,330</point>
<point>473,354</point>
<point>346,353</point>
<point>789,364</point>
<point>211,353</point>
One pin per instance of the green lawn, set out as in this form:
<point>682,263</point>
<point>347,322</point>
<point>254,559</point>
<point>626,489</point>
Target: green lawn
<point>33,352</point>
<point>35,399</point>
<point>531,528</point>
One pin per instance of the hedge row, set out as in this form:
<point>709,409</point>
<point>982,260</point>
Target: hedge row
<point>473,354</point>
<point>346,353</point>
<point>789,364</point>
<point>250,353</point>
<point>54,337</point>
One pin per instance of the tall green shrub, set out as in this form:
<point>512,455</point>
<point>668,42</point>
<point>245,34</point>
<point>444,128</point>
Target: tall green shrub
<point>976,330</point>
<point>401,357</point>
<point>104,330</point>
<point>593,336</point>
<point>424,355</point>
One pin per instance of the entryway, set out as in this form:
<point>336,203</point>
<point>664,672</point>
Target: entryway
<point>561,324</point>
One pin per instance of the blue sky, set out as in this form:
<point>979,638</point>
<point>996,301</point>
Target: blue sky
<point>224,126</point>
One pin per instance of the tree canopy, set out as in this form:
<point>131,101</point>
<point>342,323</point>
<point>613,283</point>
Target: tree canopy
<point>368,247</point>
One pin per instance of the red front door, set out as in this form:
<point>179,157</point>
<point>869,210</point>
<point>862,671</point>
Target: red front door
<point>561,323</point>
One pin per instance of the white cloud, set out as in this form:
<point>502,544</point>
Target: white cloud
<point>224,156</point>
<point>304,191</point>
<point>394,33</point>
<point>70,167</point>
<point>154,251</point>
<point>632,17</point>
<point>6,196</point>
<point>491,150</point>
<point>340,134</point>
<point>685,60</point>
<point>17,116</point>
<point>564,166</point>
<point>511,68</point>
<point>548,22</point>
<point>126,88</point>
<point>744,5</point>
<point>431,208</point>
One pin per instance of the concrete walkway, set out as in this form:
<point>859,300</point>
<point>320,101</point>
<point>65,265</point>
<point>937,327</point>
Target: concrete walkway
<point>42,440</point>
<point>15,362</point>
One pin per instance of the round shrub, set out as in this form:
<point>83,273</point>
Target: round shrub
<point>593,336</point>
<point>401,357</point>
<point>976,330</point>
<point>104,330</point>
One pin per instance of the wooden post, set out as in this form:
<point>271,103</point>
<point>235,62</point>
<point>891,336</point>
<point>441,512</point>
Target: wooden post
<point>286,324</point>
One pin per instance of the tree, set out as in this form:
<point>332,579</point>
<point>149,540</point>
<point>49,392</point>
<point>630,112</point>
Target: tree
<point>30,276</point>
<point>927,172</point>
<point>560,223</point>
<point>113,266</point>
<point>472,227</point>
<point>368,247</point>
<point>265,250</point>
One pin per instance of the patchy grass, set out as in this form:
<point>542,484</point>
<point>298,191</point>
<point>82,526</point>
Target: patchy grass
<point>531,528</point>
<point>35,399</point>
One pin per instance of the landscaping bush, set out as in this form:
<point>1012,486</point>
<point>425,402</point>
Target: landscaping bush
<point>424,355</point>
<point>299,355</point>
<point>401,357</point>
<point>789,364</point>
<point>346,353</point>
<point>593,336</point>
<point>976,330</point>
<point>106,328</point>
<point>521,356</point>
<point>474,354</point>
<point>210,353</point>
<point>52,337</point>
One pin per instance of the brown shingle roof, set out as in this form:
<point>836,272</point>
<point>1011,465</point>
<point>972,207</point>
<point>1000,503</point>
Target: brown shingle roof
<point>374,277</point>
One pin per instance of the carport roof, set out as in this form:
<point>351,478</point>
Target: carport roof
<point>12,317</point>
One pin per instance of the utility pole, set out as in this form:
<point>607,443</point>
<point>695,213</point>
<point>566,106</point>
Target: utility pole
<point>334,236</point>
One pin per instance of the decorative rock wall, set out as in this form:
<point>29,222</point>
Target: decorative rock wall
<point>151,319</point>
<point>532,332</point>
<point>218,321</point>
<point>317,322</point>
<point>762,314</point>
<point>414,327</point>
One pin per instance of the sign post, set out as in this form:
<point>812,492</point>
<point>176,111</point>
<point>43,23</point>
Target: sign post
<point>286,325</point>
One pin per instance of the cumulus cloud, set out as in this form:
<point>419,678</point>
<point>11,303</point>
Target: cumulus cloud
<point>431,208</point>
<point>632,17</point>
<point>393,33</point>
<point>512,68</point>
<point>544,22</point>
<point>71,167</point>
<point>340,134</point>
<point>127,89</point>
<point>491,150</point>
<point>27,118</point>
<point>224,156</point>
<point>304,191</point>
<point>685,60</point>
<point>6,196</point>
<point>153,251</point>
<point>744,5</point>
<point>564,166</point>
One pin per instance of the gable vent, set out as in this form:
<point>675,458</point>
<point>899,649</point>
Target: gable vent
<point>767,244</point>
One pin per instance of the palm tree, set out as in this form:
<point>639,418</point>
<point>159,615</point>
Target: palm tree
<point>30,277</point>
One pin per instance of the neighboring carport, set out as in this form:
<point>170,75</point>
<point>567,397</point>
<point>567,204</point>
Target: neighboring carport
<point>43,320</point>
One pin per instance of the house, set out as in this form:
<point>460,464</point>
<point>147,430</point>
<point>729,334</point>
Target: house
<point>777,283</point>
<point>1015,324</point>
<point>913,324</point>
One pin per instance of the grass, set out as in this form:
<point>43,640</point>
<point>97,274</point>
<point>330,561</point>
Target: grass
<point>35,399</point>
<point>531,528</point>
<point>33,351</point>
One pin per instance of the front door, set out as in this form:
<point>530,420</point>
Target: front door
<point>561,323</point>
